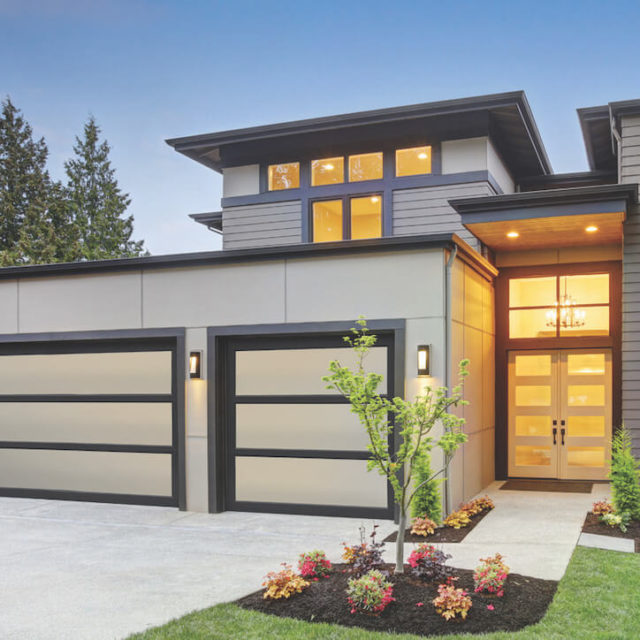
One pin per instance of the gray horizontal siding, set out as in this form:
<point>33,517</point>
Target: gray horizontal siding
<point>427,209</point>
<point>262,225</point>
<point>629,174</point>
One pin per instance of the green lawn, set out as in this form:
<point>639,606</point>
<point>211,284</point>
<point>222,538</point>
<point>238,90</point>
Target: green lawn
<point>599,597</point>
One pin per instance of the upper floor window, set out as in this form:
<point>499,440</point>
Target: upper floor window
<point>284,176</point>
<point>413,162</point>
<point>365,166</point>
<point>347,218</point>
<point>559,306</point>
<point>327,171</point>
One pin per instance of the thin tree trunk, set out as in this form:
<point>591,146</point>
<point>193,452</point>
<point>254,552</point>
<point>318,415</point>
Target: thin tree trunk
<point>402,525</point>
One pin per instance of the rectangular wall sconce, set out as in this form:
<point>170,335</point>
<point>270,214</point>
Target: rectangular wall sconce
<point>195,364</point>
<point>423,360</point>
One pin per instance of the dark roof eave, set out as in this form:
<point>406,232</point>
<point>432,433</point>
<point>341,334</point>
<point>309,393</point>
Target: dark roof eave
<point>205,258</point>
<point>212,220</point>
<point>585,115</point>
<point>189,145</point>
<point>571,195</point>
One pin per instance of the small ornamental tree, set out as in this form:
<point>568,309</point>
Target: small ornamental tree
<point>411,422</point>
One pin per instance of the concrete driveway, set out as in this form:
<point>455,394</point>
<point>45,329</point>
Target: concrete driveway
<point>94,571</point>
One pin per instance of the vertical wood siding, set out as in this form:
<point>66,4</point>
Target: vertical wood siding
<point>630,173</point>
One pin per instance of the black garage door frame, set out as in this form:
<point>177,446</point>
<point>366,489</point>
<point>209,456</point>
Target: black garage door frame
<point>221,445</point>
<point>172,340</point>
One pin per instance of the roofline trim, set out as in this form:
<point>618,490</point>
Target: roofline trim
<point>227,256</point>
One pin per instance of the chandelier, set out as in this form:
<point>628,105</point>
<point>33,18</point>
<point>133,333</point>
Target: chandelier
<point>566,313</point>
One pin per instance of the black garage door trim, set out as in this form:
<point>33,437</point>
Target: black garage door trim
<point>107,342</point>
<point>222,348</point>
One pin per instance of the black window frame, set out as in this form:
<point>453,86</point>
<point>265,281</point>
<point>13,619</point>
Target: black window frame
<point>346,213</point>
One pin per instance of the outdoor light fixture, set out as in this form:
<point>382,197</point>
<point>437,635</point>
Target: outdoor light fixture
<point>423,360</point>
<point>195,364</point>
<point>512,234</point>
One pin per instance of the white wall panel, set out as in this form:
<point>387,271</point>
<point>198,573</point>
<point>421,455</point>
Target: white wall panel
<point>139,372</point>
<point>93,471</point>
<point>146,423</point>
<point>9,306</point>
<point>309,481</point>
<point>80,303</point>
<point>241,181</point>
<point>216,295</point>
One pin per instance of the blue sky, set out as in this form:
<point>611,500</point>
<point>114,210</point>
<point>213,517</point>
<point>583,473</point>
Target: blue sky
<point>150,70</point>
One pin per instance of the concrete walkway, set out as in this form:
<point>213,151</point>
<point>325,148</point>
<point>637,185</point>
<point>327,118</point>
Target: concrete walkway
<point>78,570</point>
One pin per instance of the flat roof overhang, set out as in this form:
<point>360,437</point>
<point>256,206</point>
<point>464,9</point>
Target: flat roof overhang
<point>505,117</point>
<point>548,219</point>
<point>211,219</point>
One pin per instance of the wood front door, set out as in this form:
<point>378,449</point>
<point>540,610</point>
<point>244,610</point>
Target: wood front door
<point>560,409</point>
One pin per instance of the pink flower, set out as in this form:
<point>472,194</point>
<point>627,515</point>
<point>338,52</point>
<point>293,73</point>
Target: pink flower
<point>490,607</point>
<point>419,604</point>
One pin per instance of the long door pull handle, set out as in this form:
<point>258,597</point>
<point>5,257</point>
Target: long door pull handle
<point>562,431</point>
<point>555,433</point>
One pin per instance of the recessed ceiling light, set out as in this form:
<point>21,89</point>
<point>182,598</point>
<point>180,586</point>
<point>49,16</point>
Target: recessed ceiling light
<point>512,234</point>
<point>422,156</point>
<point>591,228</point>
<point>328,167</point>
<point>375,199</point>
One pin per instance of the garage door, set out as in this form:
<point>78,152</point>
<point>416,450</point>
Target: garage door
<point>293,445</point>
<point>89,422</point>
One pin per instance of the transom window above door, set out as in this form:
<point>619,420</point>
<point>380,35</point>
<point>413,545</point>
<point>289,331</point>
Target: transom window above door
<point>559,306</point>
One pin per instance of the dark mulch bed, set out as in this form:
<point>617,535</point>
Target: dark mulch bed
<point>525,602</point>
<point>538,484</point>
<point>441,534</point>
<point>593,525</point>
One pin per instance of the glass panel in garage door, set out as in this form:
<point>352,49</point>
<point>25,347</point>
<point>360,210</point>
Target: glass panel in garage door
<point>138,372</point>
<point>309,481</point>
<point>299,426</point>
<point>139,423</point>
<point>297,371</point>
<point>88,471</point>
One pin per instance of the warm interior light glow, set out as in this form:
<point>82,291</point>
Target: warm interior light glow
<point>513,234</point>
<point>422,156</point>
<point>591,228</point>
<point>375,199</point>
<point>328,166</point>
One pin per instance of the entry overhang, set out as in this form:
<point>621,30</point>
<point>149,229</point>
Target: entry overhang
<point>548,219</point>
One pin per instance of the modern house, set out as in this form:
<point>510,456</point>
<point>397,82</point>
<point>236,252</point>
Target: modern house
<point>195,380</point>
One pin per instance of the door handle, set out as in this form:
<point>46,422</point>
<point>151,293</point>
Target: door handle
<point>555,433</point>
<point>562,432</point>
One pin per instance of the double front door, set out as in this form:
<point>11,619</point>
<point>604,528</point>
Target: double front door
<point>560,410</point>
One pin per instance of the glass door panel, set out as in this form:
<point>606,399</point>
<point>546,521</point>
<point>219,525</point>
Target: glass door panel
<point>532,408</point>
<point>585,412</point>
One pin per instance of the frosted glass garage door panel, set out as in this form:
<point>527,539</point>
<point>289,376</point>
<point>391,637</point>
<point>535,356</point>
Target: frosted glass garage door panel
<point>309,481</point>
<point>145,423</point>
<point>299,426</point>
<point>93,471</point>
<point>86,373</point>
<point>298,371</point>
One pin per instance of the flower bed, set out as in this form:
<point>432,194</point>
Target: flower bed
<point>592,524</point>
<point>442,534</point>
<point>524,602</point>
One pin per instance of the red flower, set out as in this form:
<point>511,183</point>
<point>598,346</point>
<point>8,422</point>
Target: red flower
<point>490,607</point>
<point>419,604</point>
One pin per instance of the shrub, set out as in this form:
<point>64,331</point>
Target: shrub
<point>471,508</point>
<point>365,556</point>
<point>283,584</point>
<point>423,527</point>
<point>457,520</point>
<point>427,563</point>
<point>602,507</point>
<point>620,520</point>
<point>491,575</point>
<point>624,476</point>
<point>484,503</point>
<point>314,564</point>
<point>426,502</point>
<point>451,601</point>
<point>370,593</point>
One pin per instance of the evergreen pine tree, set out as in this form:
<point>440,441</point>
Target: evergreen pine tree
<point>427,501</point>
<point>34,225</point>
<point>96,202</point>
